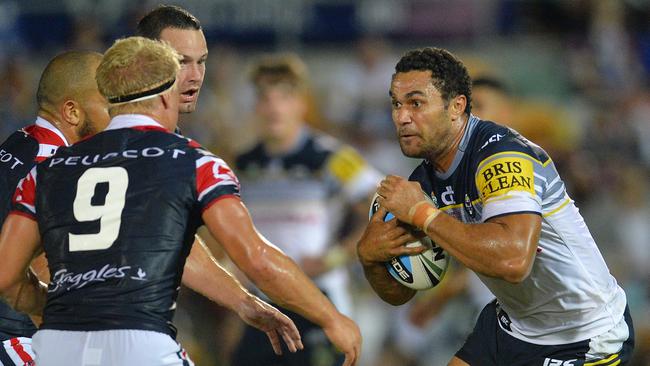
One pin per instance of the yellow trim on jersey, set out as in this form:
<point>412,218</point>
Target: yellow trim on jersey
<point>605,361</point>
<point>345,164</point>
<point>446,208</point>
<point>566,202</point>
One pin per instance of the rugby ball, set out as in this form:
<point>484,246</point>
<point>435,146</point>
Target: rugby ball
<point>419,272</point>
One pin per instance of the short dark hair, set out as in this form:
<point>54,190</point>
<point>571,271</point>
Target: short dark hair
<point>166,16</point>
<point>70,74</point>
<point>448,74</point>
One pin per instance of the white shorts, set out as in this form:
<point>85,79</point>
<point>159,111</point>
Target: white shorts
<point>107,348</point>
<point>17,352</point>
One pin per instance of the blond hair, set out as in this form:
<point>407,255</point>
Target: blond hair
<point>133,69</point>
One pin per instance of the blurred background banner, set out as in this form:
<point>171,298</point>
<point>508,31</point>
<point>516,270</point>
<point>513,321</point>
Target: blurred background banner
<point>573,76</point>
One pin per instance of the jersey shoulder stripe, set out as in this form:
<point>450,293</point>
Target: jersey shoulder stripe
<point>214,178</point>
<point>24,200</point>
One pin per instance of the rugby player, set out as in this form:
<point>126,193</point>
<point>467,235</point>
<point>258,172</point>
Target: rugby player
<point>70,108</point>
<point>182,30</point>
<point>495,201</point>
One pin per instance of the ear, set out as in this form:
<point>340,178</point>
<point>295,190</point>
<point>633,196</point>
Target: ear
<point>164,98</point>
<point>457,106</point>
<point>71,112</point>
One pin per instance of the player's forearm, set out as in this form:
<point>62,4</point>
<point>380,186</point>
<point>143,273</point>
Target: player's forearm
<point>385,286</point>
<point>19,241</point>
<point>503,247</point>
<point>270,269</point>
<point>490,248</point>
<point>203,274</point>
<point>27,295</point>
<point>283,281</point>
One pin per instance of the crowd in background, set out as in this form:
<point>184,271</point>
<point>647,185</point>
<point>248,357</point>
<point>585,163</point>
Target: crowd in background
<point>572,76</point>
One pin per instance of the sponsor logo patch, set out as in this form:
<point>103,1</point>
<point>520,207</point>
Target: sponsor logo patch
<point>503,175</point>
<point>62,279</point>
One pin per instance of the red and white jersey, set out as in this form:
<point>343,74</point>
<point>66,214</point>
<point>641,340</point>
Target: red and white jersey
<point>117,214</point>
<point>49,138</point>
<point>18,154</point>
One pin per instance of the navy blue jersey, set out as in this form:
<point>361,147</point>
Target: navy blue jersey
<point>463,191</point>
<point>18,154</point>
<point>117,215</point>
<point>297,199</point>
<point>569,294</point>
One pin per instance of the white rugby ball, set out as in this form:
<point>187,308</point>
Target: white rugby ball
<point>421,271</point>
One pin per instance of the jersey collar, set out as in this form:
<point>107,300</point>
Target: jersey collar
<point>298,145</point>
<point>462,146</point>
<point>137,121</point>
<point>45,124</point>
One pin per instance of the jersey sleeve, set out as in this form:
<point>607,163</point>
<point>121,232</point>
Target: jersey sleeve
<point>508,182</point>
<point>214,180</point>
<point>357,178</point>
<point>24,200</point>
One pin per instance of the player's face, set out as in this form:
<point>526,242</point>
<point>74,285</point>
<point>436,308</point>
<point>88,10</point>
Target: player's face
<point>96,117</point>
<point>422,121</point>
<point>281,109</point>
<point>191,45</point>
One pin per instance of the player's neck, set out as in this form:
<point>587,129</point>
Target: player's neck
<point>163,119</point>
<point>447,157</point>
<point>66,129</point>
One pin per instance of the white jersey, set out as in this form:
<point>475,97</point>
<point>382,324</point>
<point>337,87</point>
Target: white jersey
<point>569,295</point>
<point>297,200</point>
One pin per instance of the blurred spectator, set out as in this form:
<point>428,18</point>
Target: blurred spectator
<point>357,101</point>
<point>638,117</point>
<point>299,184</point>
<point>87,35</point>
<point>15,94</point>
<point>545,124</point>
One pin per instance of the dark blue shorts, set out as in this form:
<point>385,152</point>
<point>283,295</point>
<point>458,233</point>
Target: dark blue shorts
<point>490,345</point>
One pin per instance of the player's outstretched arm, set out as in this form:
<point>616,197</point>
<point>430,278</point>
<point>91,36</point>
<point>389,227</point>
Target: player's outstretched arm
<point>19,242</point>
<point>379,243</point>
<point>204,275</point>
<point>277,275</point>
